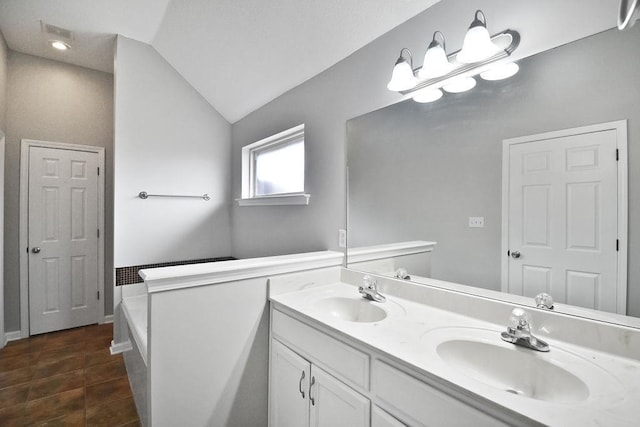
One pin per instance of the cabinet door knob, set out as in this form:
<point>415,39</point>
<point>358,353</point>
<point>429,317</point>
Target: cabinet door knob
<point>515,254</point>
<point>35,250</point>
<point>300,385</point>
<point>313,381</point>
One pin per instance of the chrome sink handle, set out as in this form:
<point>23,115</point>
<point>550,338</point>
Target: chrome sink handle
<point>369,289</point>
<point>519,333</point>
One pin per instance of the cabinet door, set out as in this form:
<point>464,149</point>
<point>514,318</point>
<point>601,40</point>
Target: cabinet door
<point>334,404</point>
<point>288,388</point>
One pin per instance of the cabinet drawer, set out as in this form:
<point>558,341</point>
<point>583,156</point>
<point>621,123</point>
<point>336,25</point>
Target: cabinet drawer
<point>418,404</point>
<point>344,361</point>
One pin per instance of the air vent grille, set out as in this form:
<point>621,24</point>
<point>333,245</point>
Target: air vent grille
<point>56,31</point>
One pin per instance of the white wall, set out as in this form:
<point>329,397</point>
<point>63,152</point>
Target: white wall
<point>168,140</point>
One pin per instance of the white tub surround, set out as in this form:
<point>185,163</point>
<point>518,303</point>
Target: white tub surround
<point>418,363</point>
<point>207,336</point>
<point>386,259</point>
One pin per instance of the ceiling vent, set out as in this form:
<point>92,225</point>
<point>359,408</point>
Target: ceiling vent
<point>56,31</point>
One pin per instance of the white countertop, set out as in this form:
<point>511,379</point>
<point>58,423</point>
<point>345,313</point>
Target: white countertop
<point>411,332</point>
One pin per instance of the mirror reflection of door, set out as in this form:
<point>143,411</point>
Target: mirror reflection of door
<point>63,240</point>
<point>562,217</point>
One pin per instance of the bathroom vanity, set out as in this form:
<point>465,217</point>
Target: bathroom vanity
<point>430,356</point>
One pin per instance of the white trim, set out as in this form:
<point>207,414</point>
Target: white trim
<point>187,276</point>
<point>279,200</point>
<point>247,185</point>
<point>121,347</point>
<point>26,144</point>
<point>108,318</point>
<point>12,336</point>
<point>620,126</point>
<point>390,250</point>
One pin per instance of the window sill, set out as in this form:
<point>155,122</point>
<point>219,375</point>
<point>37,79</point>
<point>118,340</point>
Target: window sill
<point>281,200</point>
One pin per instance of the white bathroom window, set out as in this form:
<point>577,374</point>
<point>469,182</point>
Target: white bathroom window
<point>273,170</point>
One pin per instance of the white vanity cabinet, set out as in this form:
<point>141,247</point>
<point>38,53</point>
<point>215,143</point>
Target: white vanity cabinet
<point>301,394</point>
<point>318,378</point>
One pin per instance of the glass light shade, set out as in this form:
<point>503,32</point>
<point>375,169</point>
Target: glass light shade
<point>435,63</point>
<point>477,45</point>
<point>427,95</point>
<point>402,77</point>
<point>502,71</point>
<point>460,84</point>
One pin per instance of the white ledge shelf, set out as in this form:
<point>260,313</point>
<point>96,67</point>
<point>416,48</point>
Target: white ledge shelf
<point>389,250</point>
<point>187,276</point>
<point>281,200</point>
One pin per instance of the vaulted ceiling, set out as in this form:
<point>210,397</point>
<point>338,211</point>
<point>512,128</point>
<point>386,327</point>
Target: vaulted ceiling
<point>239,54</point>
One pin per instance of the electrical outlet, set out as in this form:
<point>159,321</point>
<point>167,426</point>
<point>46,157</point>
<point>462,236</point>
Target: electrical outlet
<point>342,238</point>
<point>476,222</point>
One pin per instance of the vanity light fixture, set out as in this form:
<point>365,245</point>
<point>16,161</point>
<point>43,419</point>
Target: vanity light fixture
<point>481,54</point>
<point>402,77</point>
<point>59,45</point>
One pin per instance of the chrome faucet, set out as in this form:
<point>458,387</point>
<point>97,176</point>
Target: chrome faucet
<point>544,300</point>
<point>401,273</point>
<point>520,332</point>
<point>369,289</point>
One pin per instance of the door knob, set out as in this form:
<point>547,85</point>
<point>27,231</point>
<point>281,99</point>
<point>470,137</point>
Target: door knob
<point>515,254</point>
<point>35,250</point>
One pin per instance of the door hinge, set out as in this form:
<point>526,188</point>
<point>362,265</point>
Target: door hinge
<point>98,294</point>
<point>98,233</point>
<point>617,245</point>
<point>617,154</point>
<point>98,171</point>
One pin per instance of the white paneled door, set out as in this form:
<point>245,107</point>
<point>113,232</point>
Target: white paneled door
<point>63,239</point>
<point>563,219</point>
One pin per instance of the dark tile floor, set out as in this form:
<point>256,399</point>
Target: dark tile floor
<point>65,378</point>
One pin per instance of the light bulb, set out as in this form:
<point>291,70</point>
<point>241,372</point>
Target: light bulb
<point>427,95</point>
<point>501,71</point>
<point>460,84</point>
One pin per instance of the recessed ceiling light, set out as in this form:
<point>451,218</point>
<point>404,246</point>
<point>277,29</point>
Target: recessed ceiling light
<point>57,44</point>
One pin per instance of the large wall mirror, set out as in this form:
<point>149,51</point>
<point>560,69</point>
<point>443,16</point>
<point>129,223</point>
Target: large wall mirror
<point>420,171</point>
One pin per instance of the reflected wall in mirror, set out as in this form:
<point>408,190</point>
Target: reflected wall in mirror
<point>420,171</point>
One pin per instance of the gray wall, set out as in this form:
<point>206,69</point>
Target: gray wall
<point>418,171</point>
<point>355,86</point>
<point>52,101</point>
<point>3,83</point>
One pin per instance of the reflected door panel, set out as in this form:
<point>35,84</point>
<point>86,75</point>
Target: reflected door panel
<point>563,219</point>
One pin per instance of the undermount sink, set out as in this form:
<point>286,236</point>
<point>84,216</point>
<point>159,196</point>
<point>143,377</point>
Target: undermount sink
<point>558,377</point>
<point>350,309</point>
<point>519,371</point>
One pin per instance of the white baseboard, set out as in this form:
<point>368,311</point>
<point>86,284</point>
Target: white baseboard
<point>108,318</point>
<point>12,336</point>
<point>120,347</point>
